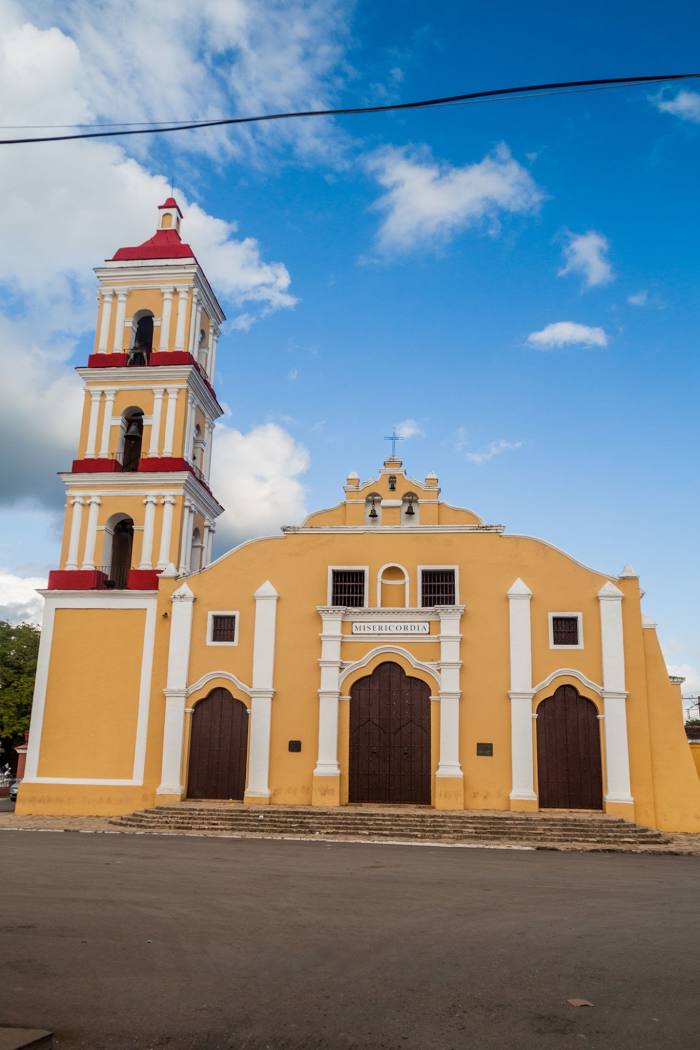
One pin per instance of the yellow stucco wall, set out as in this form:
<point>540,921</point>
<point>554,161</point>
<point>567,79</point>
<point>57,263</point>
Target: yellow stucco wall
<point>92,694</point>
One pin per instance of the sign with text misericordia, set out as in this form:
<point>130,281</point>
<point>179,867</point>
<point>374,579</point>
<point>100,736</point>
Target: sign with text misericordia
<point>375,627</point>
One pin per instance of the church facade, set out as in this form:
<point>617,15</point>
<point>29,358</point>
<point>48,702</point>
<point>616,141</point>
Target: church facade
<point>393,649</point>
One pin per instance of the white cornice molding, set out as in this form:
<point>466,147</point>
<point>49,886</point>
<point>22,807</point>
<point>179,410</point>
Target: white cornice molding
<point>226,676</point>
<point>138,269</point>
<point>186,481</point>
<point>572,673</point>
<point>429,667</point>
<point>152,376</point>
<point>387,529</point>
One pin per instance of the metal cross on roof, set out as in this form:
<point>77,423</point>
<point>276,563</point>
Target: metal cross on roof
<point>393,438</point>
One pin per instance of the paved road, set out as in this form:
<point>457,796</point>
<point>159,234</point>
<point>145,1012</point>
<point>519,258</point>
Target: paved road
<point>136,942</point>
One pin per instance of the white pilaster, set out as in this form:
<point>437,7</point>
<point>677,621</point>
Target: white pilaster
<point>170,421</point>
<point>165,321</point>
<point>155,421</point>
<point>208,449</point>
<point>450,692</point>
<point>182,294</point>
<point>211,363</point>
<point>266,598</point>
<point>521,693</point>
<point>95,396</point>
<point>617,764</point>
<point>110,394</point>
<point>118,342</point>
<point>209,529</point>
<point>176,691</point>
<point>189,428</point>
<point>91,533</point>
<point>166,532</point>
<point>75,526</point>
<point>107,296</point>
<point>148,531</point>
<point>329,694</point>
<point>194,309</point>
<point>186,539</point>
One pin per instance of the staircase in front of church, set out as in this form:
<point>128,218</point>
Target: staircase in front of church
<point>396,824</point>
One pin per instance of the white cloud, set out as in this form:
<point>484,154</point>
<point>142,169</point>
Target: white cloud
<point>490,451</point>
<point>567,333</point>
<point>639,298</point>
<point>685,105</point>
<point>409,428</point>
<point>19,602</point>
<point>256,476</point>
<point>293,375</point>
<point>212,59</point>
<point>586,254</point>
<point>425,201</point>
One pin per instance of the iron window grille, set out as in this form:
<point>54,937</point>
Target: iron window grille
<point>437,587</point>
<point>348,587</point>
<point>565,630</point>
<point>223,628</point>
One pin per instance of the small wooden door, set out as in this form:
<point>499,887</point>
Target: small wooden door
<point>390,738</point>
<point>218,747</point>
<point>569,768</point>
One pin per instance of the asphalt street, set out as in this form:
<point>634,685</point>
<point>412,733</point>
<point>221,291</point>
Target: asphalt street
<point>135,942</point>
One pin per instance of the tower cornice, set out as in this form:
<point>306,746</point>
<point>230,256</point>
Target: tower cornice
<point>145,377</point>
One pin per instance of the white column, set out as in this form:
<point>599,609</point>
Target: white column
<point>148,530</point>
<point>266,598</point>
<point>189,428</point>
<point>211,363</point>
<point>104,324</point>
<point>186,539</point>
<point>166,532</point>
<point>450,692</point>
<point>154,447</point>
<point>75,526</point>
<point>617,763</point>
<point>165,320</point>
<point>208,535</point>
<point>208,449</point>
<point>176,691</point>
<point>170,421</point>
<point>107,421</point>
<point>193,321</point>
<point>91,534</point>
<point>181,315</point>
<point>521,693</point>
<point>329,693</point>
<point>118,343</point>
<point>95,396</point>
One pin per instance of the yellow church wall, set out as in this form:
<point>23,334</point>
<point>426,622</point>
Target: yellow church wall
<point>676,785</point>
<point>694,748</point>
<point>90,709</point>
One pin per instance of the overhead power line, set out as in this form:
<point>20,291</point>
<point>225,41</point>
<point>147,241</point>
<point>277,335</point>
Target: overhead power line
<point>529,90</point>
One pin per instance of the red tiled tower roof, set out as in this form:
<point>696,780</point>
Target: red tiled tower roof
<point>164,244</point>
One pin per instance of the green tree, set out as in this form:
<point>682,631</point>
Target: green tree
<point>19,647</point>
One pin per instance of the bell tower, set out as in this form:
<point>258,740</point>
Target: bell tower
<point>138,496</point>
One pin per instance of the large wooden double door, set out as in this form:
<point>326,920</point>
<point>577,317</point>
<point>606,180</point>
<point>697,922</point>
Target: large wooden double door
<point>390,738</point>
<point>569,770</point>
<point>218,747</point>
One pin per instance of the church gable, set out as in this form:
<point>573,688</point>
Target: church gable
<point>392,498</point>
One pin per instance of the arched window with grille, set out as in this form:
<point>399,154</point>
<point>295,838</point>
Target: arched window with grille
<point>117,549</point>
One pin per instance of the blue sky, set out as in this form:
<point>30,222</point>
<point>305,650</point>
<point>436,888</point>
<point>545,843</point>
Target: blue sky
<point>418,255</point>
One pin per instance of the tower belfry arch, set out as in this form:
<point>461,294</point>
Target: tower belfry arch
<point>144,453</point>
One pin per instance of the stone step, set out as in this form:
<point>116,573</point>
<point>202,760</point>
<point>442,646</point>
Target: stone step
<point>341,829</point>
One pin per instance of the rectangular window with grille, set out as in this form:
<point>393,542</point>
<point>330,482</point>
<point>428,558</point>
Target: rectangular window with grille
<point>438,587</point>
<point>565,630</point>
<point>223,628</point>
<point>348,587</point>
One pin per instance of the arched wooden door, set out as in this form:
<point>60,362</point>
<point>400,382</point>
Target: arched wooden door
<point>569,771</point>
<point>390,738</point>
<point>218,747</point>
